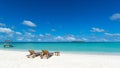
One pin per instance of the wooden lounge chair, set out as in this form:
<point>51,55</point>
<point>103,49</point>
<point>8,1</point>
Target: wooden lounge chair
<point>57,53</point>
<point>33,54</point>
<point>46,54</point>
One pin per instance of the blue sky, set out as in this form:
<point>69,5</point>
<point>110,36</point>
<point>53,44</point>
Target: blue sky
<point>60,20</point>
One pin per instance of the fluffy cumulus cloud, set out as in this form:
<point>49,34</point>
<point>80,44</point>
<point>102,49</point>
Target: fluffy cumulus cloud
<point>2,24</point>
<point>70,38</point>
<point>114,34</point>
<point>84,39</point>
<point>29,35</point>
<point>41,35</point>
<point>39,40</point>
<point>59,38</point>
<point>115,16</point>
<point>29,23</point>
<point>48,34</point>
<point>18,33</point>
<point>5,30</point>
<point>105,40</point>
<point>20,38</point>
<point>65,38</point>
<point>53,30</point>
<point>101,40</point>
<point>97,30</point>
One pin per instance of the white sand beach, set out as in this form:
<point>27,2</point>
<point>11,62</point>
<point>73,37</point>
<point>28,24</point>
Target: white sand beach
<point>16,59</point>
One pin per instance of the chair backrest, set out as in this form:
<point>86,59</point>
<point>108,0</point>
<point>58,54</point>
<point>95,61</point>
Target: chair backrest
<point>32,52</point>
<point>45,52</point>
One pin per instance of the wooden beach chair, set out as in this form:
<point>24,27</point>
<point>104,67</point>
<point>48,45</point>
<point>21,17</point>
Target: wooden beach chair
<point>57,53</point>
<point>33,54</point>
<point>46,54</point>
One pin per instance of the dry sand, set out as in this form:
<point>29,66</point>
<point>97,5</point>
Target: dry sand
<point>16,59</point>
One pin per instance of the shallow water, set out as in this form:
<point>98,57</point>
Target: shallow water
<point>109,47</point>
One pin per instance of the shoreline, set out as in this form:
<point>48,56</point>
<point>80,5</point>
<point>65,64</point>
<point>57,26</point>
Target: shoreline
<point>71,52</point>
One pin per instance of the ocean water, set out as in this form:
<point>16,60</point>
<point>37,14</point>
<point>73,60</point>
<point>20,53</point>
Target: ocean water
<point>105,47</point>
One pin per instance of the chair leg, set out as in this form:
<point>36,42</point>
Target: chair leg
<point>28,56</point>
<point>47,56</point>
<point>41,57</point>
<point>33,56</point>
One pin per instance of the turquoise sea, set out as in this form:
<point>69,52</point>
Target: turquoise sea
<point>91,47</point>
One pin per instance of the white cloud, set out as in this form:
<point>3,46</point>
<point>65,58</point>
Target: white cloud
<point>110,34</point>
<point>97,30</point>
<point>31,30</point>
<point>2,24</point>
<point>84,39</point>
<point>20,38</point>
<point>6,30</point>
<point>29,23</point>
<point>115,16</point>
<point>53,30</point>
<point>59,38</point>
<point>41,35</point>
<point>39,40</point>
<point>70,38</point>
<point>30,35</point>
<point>105,40</point>
<point>10,35</point>
<point>18,33</point>
<point>47,34</point>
